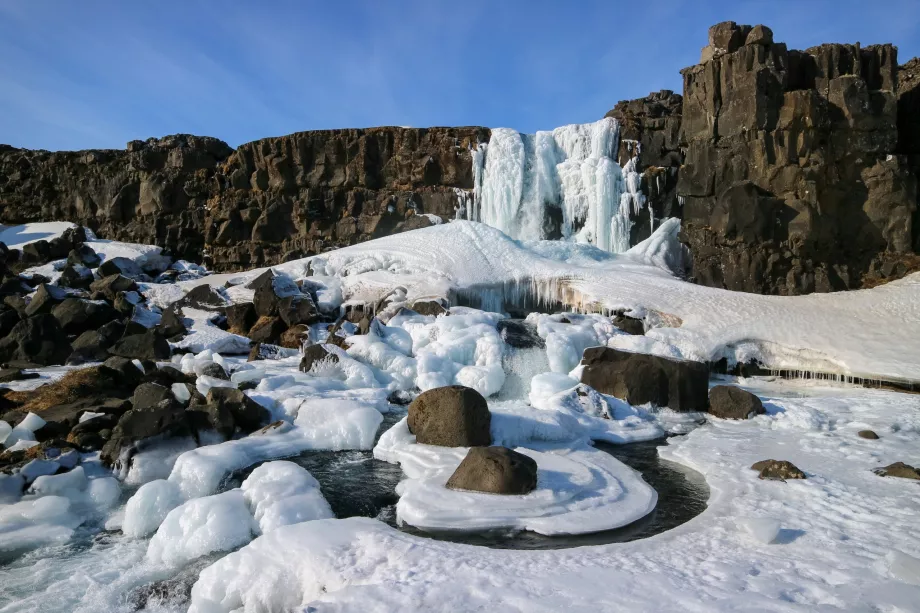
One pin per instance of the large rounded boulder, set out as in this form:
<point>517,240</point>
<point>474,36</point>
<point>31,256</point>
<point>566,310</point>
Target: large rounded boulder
<point>452,416</point>
<point>495,470</point>
<point>638,378</point>
<point>730,402</point>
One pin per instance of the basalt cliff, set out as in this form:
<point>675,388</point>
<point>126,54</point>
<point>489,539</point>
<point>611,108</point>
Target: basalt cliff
<point>793,172</point>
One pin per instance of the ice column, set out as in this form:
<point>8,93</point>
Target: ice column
<point>571,168</point>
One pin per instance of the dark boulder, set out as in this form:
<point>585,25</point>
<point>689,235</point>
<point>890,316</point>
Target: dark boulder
<point>172,324</point>
<point>166,419</point>
<point>212,416</point>
<point>147,395</point>
<point>248,414</point>
<point>8,320</point>
<point>39,340</point>
<point>297,310</point>
<point>313,354</point>
<point>14,286</point>
<point>146,346</point>
<point>730,402</point>
<point>46,298</point>
<point>76,276</point>
<point>120,266</point>
<point>36,252</point>
<point>215,370</point>
<point>451,416</point>
<point>495,470</point>
<point>241,317</point>
<point>778,470</point>
<point>167,376</point>
<point>205,297</point>
<point>520,334</point>
<point>868,435</point>
<point>268,330</point>
<point>629,325</point>
<point>84,255</point>
<point>638,378</point>
<point>270,289</point>
<point>110,286</point>
<point>77,315</point>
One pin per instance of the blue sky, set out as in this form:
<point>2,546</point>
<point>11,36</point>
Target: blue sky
<point>77,74</point>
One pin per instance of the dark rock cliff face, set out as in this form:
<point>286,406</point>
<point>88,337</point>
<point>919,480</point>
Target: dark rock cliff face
<point>793,177</point>
<point>269,200</point>
<point>650,131</point>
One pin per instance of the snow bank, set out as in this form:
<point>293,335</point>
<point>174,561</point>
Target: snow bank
<point>201,526</point>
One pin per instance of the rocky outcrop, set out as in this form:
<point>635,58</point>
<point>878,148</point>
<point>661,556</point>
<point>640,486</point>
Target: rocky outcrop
<point>268,201</point>
<point>650,133</point>
<point>792,182</point>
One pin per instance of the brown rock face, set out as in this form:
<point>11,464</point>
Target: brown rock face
<point>792,182</point>
<point>279,197</point>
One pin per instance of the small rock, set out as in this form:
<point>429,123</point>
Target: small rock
<point>495,470</point>
<point>46,298</point>
<point>268,330</point>
<point>84,255</point>
<point>629,325</point>
<point>215,370</point>
<point>867,434</point>
<point>313,354</point>
<point>900,470</point>
<point>241,317</point>
<point>730,402</point>
<point>778,469</point>
<point>428,307</point>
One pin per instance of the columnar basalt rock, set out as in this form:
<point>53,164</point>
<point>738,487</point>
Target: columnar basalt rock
<point>264,203</point>
<point>792,178</point>
<point>650,132</point>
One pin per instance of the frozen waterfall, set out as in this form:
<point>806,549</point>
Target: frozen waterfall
<point>517,177</point>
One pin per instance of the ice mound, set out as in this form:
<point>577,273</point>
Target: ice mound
<point>331,423</point>
<point>221,522</point>
<point>579,489</point>
<point>282,493</point>
<point>275,494</point>
<point>149,506</point>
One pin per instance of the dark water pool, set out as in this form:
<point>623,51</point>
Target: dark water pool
<point>356,484</point>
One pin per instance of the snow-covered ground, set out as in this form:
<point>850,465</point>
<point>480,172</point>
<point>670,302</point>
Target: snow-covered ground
<point>872,334</point>
<point>842,539</point>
